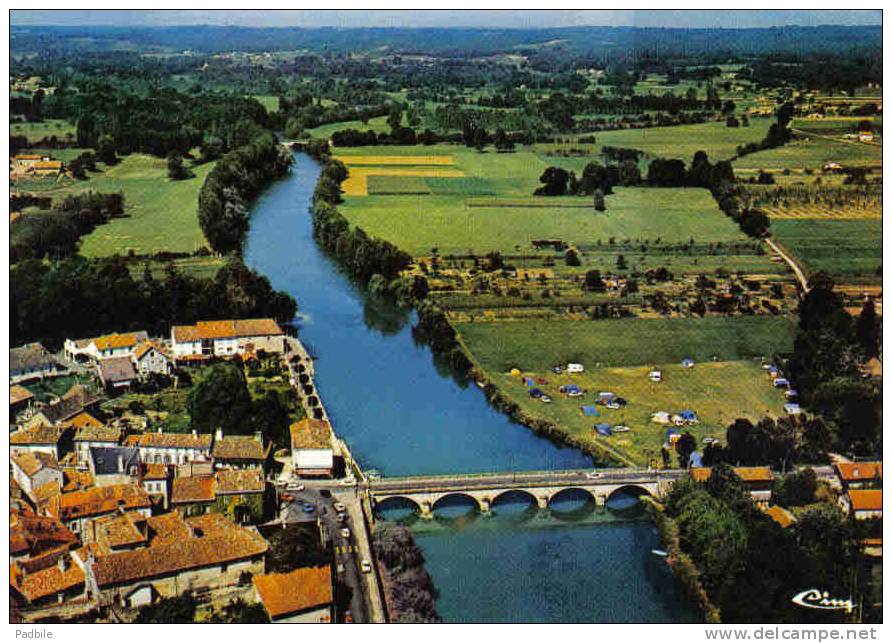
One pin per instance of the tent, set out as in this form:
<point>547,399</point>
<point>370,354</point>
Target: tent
<point>792,408</point>
<point>791,393</point>
<point>606,396</point>
<point>603,429</point>
<point>514,372</point>
<point>528,381</point>
<point>590,411</point>
<point>536,393</point>
<point>655,376</point>
<point>781,383</point>
<point>660,417</point>
<point>688,416</point>
<point>687,362</point>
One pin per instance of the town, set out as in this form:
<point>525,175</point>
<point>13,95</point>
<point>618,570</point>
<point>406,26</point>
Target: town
<point>502,324</point>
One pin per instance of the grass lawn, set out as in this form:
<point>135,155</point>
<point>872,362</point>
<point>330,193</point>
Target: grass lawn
<point>812,153</point>
<point>199,267</point>
<point>718,392</point>
<point>682,141</point>
<point>270,103</point>
<point>618,354</point>
<point>160,214</point>
<point>850,247</point>
<point>538,345</point>
<point>446,219</point>
<point>377,125</point>
<point>43,129</point>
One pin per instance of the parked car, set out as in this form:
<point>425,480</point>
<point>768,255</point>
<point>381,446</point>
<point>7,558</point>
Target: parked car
<point>342,517</point>
<point>340,507</point>
<point>293,486</point>
<point>575,368</point>
<point>345,533</point>
<point>308,508</point>
<point>545,399</point>
<point>366,567</point>
<point>340,568</point>
<point>593,475</point>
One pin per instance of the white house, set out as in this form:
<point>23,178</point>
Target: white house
<point>90,432</point>
<point>149,358</point>
<point>172,448</point>
<point>226,337</point>
<point>96,348</point>
<point>311,448</point>
<point>863,504</point>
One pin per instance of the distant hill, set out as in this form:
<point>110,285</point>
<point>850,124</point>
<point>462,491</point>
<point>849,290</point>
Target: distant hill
<point>463,42</point>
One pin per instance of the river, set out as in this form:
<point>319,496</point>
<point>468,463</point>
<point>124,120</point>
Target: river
<point>402,415</point>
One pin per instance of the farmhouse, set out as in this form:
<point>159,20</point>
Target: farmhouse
<point>226,337</point>
<point>46,168</point>
<point>34,469</point>
<point>150,358</point>
<point>199,553</point>
<point>96,348</point>
<point>304,595</point>
<point>31,361</point>
<point>860,475</point>
<point>757,480</point>
<point>863,504</point>
<point>311,448</point>
<point>172,448</point>
<point>24,162</point>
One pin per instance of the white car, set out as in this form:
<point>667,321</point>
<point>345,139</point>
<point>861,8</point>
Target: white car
<point>575,368</point>
<point>593,475</point>
<point>545,399</point>
<point>348,482</point>
<point>345,533</point>
<point>340,507</point>
<point>294,486</point>
<point>366,567</point>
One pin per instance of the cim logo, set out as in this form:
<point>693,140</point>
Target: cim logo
<point>818,600</point>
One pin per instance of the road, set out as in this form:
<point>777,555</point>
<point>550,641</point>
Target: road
<point>347,563</point>
<point>800,276</point>
<point>525,479</point>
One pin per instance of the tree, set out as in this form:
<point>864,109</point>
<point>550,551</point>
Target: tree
<point>572,257</point>
<point>685,447</point>
<point>868,328</point>
<point>395,117</point>
<point>502,142</point>
<point>621,262</point>
<point>178,609</point>
<point>221,400</point>
<point>629,173</point>
<point>175,168</point>
<point>593,281</point>
<point>555,182</point>
<point>795,489</point>
<point>732,121</point>
<point>105,151</point>
<point>600,206</point>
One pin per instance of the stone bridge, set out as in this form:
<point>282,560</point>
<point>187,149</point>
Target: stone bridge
<point>541,486</point>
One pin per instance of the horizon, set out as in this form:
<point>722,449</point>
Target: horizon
<point>447,19</point>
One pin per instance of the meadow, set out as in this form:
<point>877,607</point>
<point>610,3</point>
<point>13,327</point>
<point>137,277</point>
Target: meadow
<point>160,214</point>
<point>813,153</point>
<point>459,219</point>
<point>726,382</point>
<point>42,129</point>
<point>377,125</point>
<point>844,247</point>
<point>537,346</point>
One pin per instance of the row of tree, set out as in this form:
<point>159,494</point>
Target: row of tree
<point>231,186</point>
<point>77,297</point>
<point>411,592</point>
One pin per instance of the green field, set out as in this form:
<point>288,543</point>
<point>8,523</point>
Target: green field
<point>682,141</point>
<point>850,247</point>
<point>198,267</point>
<point>377,125</point>
<point>727,381</point>
<point>398,185</point>
<point>537,346</point>
<point>417,223</point>
<point>43,129</point>
<point>270,103</point>
<point>160,214</point>
<point>813,153</point>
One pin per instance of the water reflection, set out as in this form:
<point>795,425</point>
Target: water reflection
<point>625,503</point>
<point>514,507</point>
<point>456,511</point>
<point>384,316</point>
<point>572,505</point>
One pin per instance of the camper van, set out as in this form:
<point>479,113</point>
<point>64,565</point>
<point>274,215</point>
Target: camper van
<point>575,368</point>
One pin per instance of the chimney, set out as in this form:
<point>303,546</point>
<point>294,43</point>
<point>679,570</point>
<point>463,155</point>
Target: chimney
<point>120,464</point>
<point>258,436</point>
<point>218,435</point>
<point>64,563</point>
<point>160,430</point>
<point>194,433</point>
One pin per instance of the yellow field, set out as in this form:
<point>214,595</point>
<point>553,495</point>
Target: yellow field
<point>822,212</point>
<point>357,181</point>
<point>396,160</point>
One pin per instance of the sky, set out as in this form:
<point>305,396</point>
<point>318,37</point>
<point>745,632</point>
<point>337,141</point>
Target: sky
<point>447,18</point>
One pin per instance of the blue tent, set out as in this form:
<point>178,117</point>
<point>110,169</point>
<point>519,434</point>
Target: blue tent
<point>528,381</point>
<point>688,416</point>
<point>670,433</point>
<point>590,411</point>
<point>603,429</point>
<point>687,362</point>
<point>696,459</point>
<point>535,392</point>
<point>572,388</point>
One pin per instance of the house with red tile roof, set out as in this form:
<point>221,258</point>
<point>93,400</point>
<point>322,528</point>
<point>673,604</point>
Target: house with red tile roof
<point>226,337</point>
<point>860,475</point>
<point>304,595</point>
<point>96,348</point>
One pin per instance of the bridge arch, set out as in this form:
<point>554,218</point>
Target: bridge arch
<point>453,496</point>
<point>625,499</point>
<point>395,502</point>
<point>568,492</point>
<point>636,490</point>
<point>509,494</point>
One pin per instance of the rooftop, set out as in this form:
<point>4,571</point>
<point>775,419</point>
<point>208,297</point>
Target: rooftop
<point>226,329</point>
<point>866,499</point>
<point>30,357</point>
<point>46,582</point>
<point>859,471</point>
<point>19,394</point>
<point>120,340</point>
<point>780,515</point>
<point>192,489</point>
<point>213,540</point>
<point>113,460</point>
<point>30,462</point>
<point>37,434</point>
<point>145,347</point>
<point>120,530</point>
<point>239,447</point>
<point>172,440</point>
<point>296,591</point>
<point>747,474</point>
<point>102,500</point>
<point>35,534</point>
<point>310,434</point>
<point>89,429</point>
<point>62,410</point>
<point>239,481</point>
<point>116,369</point>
